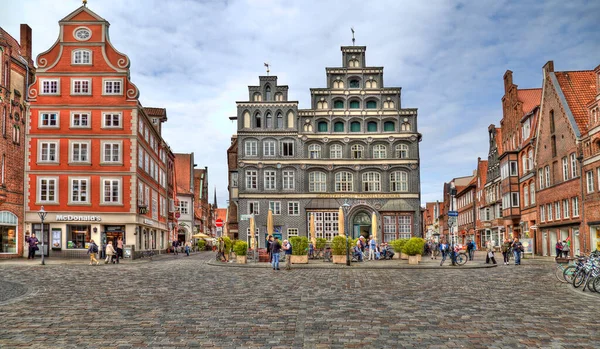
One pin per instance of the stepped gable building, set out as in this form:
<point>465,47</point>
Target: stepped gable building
<point>491,213</point>
<point>16,72</point>
<point>355,143</point>
<point>564,122</point>
<point>520,109</point>
<point>95,160</point>
<point>184,167</point>
<point>591,167</point>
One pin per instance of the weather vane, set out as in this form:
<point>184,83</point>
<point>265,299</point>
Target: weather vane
<point>267,65</point>
<point>84,2</point>
<point>352,28</point>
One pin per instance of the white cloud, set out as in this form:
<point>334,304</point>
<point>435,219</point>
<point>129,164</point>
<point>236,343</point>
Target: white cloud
<point>196,58</point>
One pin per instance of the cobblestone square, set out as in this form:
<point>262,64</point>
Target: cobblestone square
<point>178,301</point>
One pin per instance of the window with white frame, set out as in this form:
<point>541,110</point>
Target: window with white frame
<point>50,87</point>
<point>401,151</point>
<point>47,190</point>
<point>82,57</point>
<point>250,148</point>
<point>234,179</point>
<point>48,151</point>
<point>542,213</point>
<point>287,148</point>
<point>81,86</point>
<point>48,119</point>
<point>140,193</point>
<point>404,227</point>
<point>80,151</point>
<point>344,181</point>
<point>79,190</point>
<point>113,87</point>
<point>547,175</point>
<point>557,210</point>
<point>573,165</point>
<point>335,151</point>
<point>565,168</point>
<point>111,191</point>
<point>111,120</point>
<point>141,158</point>
<point>275,206</point>
<point>253,207</point>
<point>146,162</point>
<point>289,179</point>
<point>589,176</point>
<point>379,151</point>
<point>314,151</point>
<point>292,232</point>
<point>389,228</point>
<point>371,182</point>
<point>541,178</point>
<point>80,119</point>
<point>525,196</point>
<point>357,151</point>
<point>526,129</point>
<point>514,199</point>
<point>566,207</point>
<point>251,179</point>
<point>575,206</point>
<point>270,180</point>
<point>549,211</point>
<point>514,168</point>
<point>111,152</point>
<point>269,148</point>
<point>293,208</point>
<point>184,207</point>
<point>398,181</point>
<point>317,182</point>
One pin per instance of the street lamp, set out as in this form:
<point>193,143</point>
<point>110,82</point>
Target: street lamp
<point>42,213</point>
<point>346,208</point>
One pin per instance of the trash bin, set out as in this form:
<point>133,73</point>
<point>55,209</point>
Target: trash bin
<point>128,251</point>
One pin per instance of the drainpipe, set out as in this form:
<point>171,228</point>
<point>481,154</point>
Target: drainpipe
<point>26,78</point>
<point>582,224</point>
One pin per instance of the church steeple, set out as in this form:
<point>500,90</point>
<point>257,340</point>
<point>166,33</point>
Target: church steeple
<point>215,200</point>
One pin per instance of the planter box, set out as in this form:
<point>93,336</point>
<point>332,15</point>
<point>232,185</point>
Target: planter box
<point>419,258</point>
<point>339,259</point>
<point>298,259</point>
<point>403,255</point>
<point>241,259</point>
<point>413,260</point>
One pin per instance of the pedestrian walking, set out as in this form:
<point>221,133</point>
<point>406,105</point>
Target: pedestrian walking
<point>188,246</point>
<point>119,249</point>
<point>92,252</point>
<point>566,249</point>
<point>490,257</point>
<point>287,247</point>
<point>471,249</point>
<point>221,250</point>
<point>269,243</point>
<point>443,251</point>
<point>275,249</point>
<point>372,248</point>
<point>517,247</point>
<point>32,241</point>
<point>506,251</point>
<point>558,248</point>
<point>175,246</point>
<point>434,247</point>
<point>110,252</point>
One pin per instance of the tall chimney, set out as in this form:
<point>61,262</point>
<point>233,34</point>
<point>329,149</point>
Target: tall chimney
<point>26,42</point>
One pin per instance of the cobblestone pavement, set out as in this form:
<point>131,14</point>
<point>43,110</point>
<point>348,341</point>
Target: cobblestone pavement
<point>184,302</point>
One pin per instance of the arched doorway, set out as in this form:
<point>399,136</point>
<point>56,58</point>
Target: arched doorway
<point>181,235</point>
<point>361,225</point>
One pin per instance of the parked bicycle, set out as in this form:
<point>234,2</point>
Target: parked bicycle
<point>147,254</point>
<point>585,271</point>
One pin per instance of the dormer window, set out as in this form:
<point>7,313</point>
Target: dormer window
<point>82,57</point>
<point>354,83</point>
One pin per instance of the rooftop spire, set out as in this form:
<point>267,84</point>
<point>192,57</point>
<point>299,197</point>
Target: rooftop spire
<point>268,66</point>
<point>353,40</point>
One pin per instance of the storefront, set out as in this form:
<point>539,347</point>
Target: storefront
<point>8,232</point>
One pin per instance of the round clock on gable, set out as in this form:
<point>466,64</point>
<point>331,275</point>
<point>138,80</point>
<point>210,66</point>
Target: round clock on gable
<point>82,34</point>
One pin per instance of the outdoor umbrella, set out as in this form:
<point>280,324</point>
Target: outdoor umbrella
<point>374,226</point>
<point>341,231</point>
<point>200,236</point>
<point>252,242</point>
<point>312,230</point>
<point>270,222</point>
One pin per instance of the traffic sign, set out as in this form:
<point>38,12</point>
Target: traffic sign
<point>246,217</point>
<point>452,213</point>
<point>219,222</point>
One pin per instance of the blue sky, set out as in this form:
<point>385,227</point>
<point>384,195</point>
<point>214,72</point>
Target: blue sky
<point>196,58</point>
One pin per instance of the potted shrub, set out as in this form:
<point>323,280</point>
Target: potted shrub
<point>413,247</point>
<point>299,249</point>
<point>201,244</point>
<point>321,242</point>
<point>228,247</point>
<point>241,250</point>
<point>398,245</point>
<point>338,249</point>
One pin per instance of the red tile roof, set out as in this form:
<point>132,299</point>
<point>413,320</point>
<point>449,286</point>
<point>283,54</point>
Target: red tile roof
<point>221,213</point>
<point>579,87</point>
<point>156,112</point>
<point>530,98</point>
<point>183,168</point>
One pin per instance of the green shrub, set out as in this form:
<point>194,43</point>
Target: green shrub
<point>299,245</point>
<point>398,244</point>
<point>240,248</point>
<point>201,244</point>
<point>338,245</point>
<point>414,246</point>
<point>228,244</point>
<point>321,242</point>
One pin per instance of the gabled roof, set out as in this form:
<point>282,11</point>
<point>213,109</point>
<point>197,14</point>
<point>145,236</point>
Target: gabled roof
<point>12,42</point>
<point>88,14</point>
<point>183,168</point>
<point>156,112</point>
<point>530,98</point>
<point>578,88</point>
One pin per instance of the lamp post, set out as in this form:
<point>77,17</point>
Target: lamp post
<point>346,208</point>
<point>42,213</point>
<point>452,223</point>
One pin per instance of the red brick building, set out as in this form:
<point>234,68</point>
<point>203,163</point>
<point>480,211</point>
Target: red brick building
<point>431,219</point>
<point>95,157</point>
<point>465,202</point>
<point>185,187</point>
<point>16,72</point>
<point>202,206</point>
<point>480,203</point>
<point>562,124</point>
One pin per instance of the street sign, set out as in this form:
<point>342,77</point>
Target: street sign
<point>452,213</point>
<point>246,217</point>
<point>219,222</point>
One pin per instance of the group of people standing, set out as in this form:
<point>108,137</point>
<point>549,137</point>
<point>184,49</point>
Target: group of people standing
<point>563,249</point>
<point>176,244</point>
<point>112,255</point>
<point>375,251</point>
<point>508,248</point>
<point>274,248</point>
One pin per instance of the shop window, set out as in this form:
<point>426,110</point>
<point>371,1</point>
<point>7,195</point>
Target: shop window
<point>8,232</point>
<point>78,236</point>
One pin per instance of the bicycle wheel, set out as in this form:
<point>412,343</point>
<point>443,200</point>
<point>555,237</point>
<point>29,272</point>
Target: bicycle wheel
<point>461,259</point>
<point>559,272</point>
<point>579,278</point>
<point>596,284</point>
<point>567,274</point>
